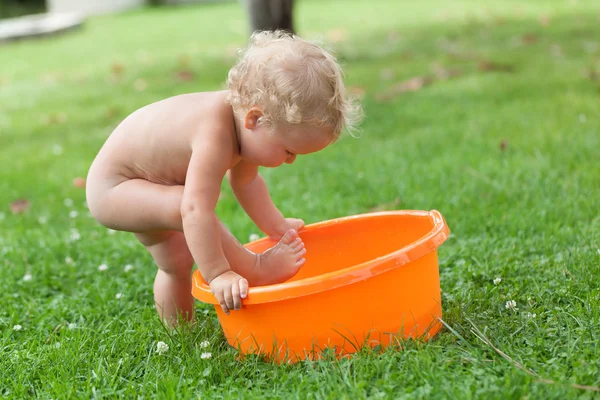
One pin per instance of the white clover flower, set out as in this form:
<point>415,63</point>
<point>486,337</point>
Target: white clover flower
<point>69,261</point>
<point>253,237</point>
<point>73,214</point>
<point>204,344</point>
<point>17,327</point>
<point>162,347</point>
<point>72,325</point>
<point>128,268</point>
<point>103,267</point>
<point>530,315</point>
<point>27,277</point>
<point>57,345</point>
<point>205,356</point>
<point>111,231</point>
<point>497,281</point>
<point>75,235</point>
<point>68,202</point>
<point>118,296</point>
<point>42,220</point>
<point>511,305</point>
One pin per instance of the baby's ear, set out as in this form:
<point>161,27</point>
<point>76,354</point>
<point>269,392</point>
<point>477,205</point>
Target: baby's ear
<point>253,118</point>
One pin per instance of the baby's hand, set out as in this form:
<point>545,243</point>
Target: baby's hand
<point>229,288</point>
<point>290,223</point>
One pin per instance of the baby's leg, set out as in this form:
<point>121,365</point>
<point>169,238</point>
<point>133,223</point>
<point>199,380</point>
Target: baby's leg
<point>153,211</point>
<point>134,205</point>
<point>172,286</point>
<point>276,265</point>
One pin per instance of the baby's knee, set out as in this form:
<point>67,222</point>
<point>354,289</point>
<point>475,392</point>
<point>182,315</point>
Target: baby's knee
<point>97,204</point>
<point>178,266</point>
<point>171,254</point>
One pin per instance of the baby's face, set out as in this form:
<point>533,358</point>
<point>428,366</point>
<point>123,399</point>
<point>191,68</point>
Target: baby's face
<point>272,149</point>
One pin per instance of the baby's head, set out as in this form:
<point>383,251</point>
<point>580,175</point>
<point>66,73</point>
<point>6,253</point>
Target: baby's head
<point>291,84</point>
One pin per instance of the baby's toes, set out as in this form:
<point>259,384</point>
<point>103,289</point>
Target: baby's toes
<point>300,262</point>
<point>300,253</point>
<point>297,245</point>
<point>290,237</point>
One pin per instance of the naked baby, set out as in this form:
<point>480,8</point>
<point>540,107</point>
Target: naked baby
<point>159,173</point>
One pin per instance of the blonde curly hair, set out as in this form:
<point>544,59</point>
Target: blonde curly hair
<point>294,82</point>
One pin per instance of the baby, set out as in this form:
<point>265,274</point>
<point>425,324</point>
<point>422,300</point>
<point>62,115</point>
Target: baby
<point>159,174</point>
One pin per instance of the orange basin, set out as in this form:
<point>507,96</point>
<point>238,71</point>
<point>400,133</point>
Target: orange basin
<point>368,279</point>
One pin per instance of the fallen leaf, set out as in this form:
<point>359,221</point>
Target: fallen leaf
<point>392,205</point>
<point>529,38</point>
<point>79,182</point>
<point>55,118</point>
<point>19,206</point>
<point>357,91</point>
<point>112,112</point>
<point>414,84</point>
<point>444,73</point>
<point>489,66</point>
<point>117,69</point>
<point>406,56</point>
<point>593,74</point>
<point>499,20</point>
<point>503,145</point>
<point>185,75</point>
<point>411,85</point>
<point>61,117</point>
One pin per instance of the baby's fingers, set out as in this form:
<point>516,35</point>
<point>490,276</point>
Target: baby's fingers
<point>243,284</point>
<point>235,293</point>
<point>222,302</point>
<point>228,297</point>
<point>239,290</point>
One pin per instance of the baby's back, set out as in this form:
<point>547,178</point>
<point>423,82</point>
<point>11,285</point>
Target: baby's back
<point>155,142</point>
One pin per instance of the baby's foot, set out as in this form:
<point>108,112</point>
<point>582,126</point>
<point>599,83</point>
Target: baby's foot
<point>281,262</point>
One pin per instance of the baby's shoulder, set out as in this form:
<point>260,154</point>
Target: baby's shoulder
<point>213,118</point>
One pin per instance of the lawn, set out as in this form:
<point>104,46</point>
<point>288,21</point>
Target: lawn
<point>485,111</point>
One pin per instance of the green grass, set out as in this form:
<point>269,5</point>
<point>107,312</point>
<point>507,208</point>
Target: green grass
<point>511,159</point>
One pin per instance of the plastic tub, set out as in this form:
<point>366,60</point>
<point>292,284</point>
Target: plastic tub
<point>367,279</point>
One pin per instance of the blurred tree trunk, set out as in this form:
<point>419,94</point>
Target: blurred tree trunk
<point>270,15</point>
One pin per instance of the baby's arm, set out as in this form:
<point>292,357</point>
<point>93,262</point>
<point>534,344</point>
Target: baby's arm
<point>251,191</point>
<point>206,169</point>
